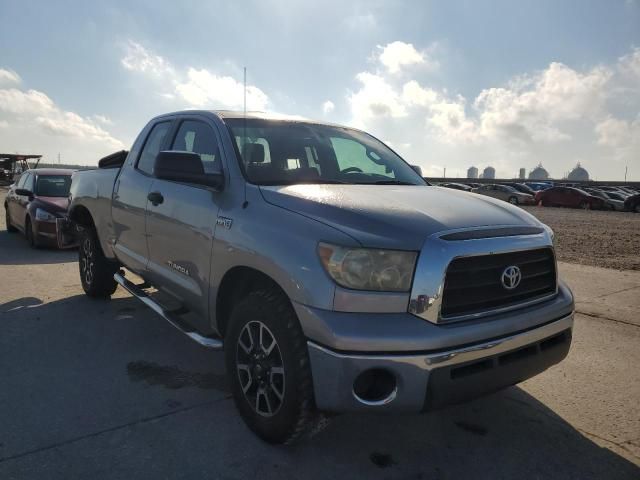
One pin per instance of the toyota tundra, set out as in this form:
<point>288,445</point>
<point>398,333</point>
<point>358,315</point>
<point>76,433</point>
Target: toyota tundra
<point>332,275</point>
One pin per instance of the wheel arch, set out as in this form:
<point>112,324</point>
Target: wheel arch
<point>236,283</point>
<point>82,216</point>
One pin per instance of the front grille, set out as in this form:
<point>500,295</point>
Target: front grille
<point>473,284</point>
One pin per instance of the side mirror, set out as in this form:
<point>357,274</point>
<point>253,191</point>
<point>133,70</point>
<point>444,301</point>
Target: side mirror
<point>418,169</point>
<point>23,192</point>
<point>185,167</point>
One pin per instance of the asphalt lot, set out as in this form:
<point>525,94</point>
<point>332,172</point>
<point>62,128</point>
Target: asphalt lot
<point>105,389</point>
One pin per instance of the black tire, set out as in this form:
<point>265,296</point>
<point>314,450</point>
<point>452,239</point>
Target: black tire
<point>293,415</point>
<point>31,236</point>
<point>513,200</point>
<point>10,228</point>
<point>637,208</point>
<point>96,271</point>
<point>585,206</point>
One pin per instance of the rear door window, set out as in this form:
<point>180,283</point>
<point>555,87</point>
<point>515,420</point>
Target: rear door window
<point>152,147</point>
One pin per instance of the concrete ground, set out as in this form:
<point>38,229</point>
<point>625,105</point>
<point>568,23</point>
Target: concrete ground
<point>105,389</point>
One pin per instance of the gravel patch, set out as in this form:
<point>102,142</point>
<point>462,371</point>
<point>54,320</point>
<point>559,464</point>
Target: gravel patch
<point>590,237</point>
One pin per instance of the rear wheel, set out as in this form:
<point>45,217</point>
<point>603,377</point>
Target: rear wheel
<point>637,208</point>
<point>96,271</point>
<point>513,200</point>
<point>7,221</point>
<point>268,367</point>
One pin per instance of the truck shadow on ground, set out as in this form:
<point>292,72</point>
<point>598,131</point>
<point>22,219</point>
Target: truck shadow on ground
<point>118,371</point>
<point>14,250</point>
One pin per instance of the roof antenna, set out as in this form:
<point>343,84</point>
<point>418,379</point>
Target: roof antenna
<point>244,132</point>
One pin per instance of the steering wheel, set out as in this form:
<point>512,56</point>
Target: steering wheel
<point>351,169</point>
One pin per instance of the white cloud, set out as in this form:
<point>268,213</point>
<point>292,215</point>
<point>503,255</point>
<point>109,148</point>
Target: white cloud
<point>376,98</point>
<point>192,87</point>
<point>328,107</point>
<point>532,108</point>
<point>630,63</point>
<point>9,77</point>
<point>621,138</point>
<point>202,88</point>
<point>396,55</point>
<point>139,59</point>
<point>558,115</point>
<point>32,121</point>
<point>102,119</point>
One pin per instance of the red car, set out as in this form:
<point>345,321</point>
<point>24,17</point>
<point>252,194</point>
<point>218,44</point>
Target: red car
<point>569,197</point>
<point>37,205</point>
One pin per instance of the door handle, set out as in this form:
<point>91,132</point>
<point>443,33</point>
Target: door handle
<point>155,198</point>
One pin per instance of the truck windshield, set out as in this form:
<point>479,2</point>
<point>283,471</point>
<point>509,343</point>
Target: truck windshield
<point>53,185</point>
<point>275,152</point>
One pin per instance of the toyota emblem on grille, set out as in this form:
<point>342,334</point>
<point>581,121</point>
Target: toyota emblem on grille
<point>511,277</point>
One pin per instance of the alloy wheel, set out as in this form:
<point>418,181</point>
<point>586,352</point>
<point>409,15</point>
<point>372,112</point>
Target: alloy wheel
<point>260,368</point>
<point>87,261</point>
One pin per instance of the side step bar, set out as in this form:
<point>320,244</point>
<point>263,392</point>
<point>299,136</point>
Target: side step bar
<point>141,295</point>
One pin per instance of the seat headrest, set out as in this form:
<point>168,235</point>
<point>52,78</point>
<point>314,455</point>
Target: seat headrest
<point>205,143</point>
<point>254,153</point>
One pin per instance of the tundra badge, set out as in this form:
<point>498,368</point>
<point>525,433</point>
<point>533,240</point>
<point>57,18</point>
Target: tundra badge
<point>179,268</point>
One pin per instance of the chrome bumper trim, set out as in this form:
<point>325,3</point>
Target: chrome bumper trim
<point>334,373</point>
<point>430,361</point>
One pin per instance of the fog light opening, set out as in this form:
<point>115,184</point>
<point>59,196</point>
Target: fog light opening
<point>375,387</point>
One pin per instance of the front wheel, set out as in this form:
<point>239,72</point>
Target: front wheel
<point>268,367</point>
<point>513,200</point>
<point>7,221</point>
<point>96,271</point>
<point>32,237</point>
<point>585,206</point>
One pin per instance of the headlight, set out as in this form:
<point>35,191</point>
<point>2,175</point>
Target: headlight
<point>550,232</point>
<point>369,269</point>
<point>44,216</point>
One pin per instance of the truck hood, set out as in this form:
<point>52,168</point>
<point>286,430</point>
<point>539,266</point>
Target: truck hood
<point>395,216</point>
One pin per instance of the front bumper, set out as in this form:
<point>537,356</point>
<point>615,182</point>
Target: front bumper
<point>434,379</point>
<point>61,233</point>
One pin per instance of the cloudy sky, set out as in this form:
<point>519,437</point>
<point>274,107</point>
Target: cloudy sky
<point>447,84</point>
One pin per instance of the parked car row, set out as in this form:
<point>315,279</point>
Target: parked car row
<point>547,194</point>
<point>506,193</point>
<point>37,203</point>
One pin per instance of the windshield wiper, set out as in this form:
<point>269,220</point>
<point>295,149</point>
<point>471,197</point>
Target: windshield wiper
<point>389,182</point>
<point>310,181</point>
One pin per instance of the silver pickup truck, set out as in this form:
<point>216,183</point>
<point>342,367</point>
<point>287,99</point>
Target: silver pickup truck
<point>332,275</point>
